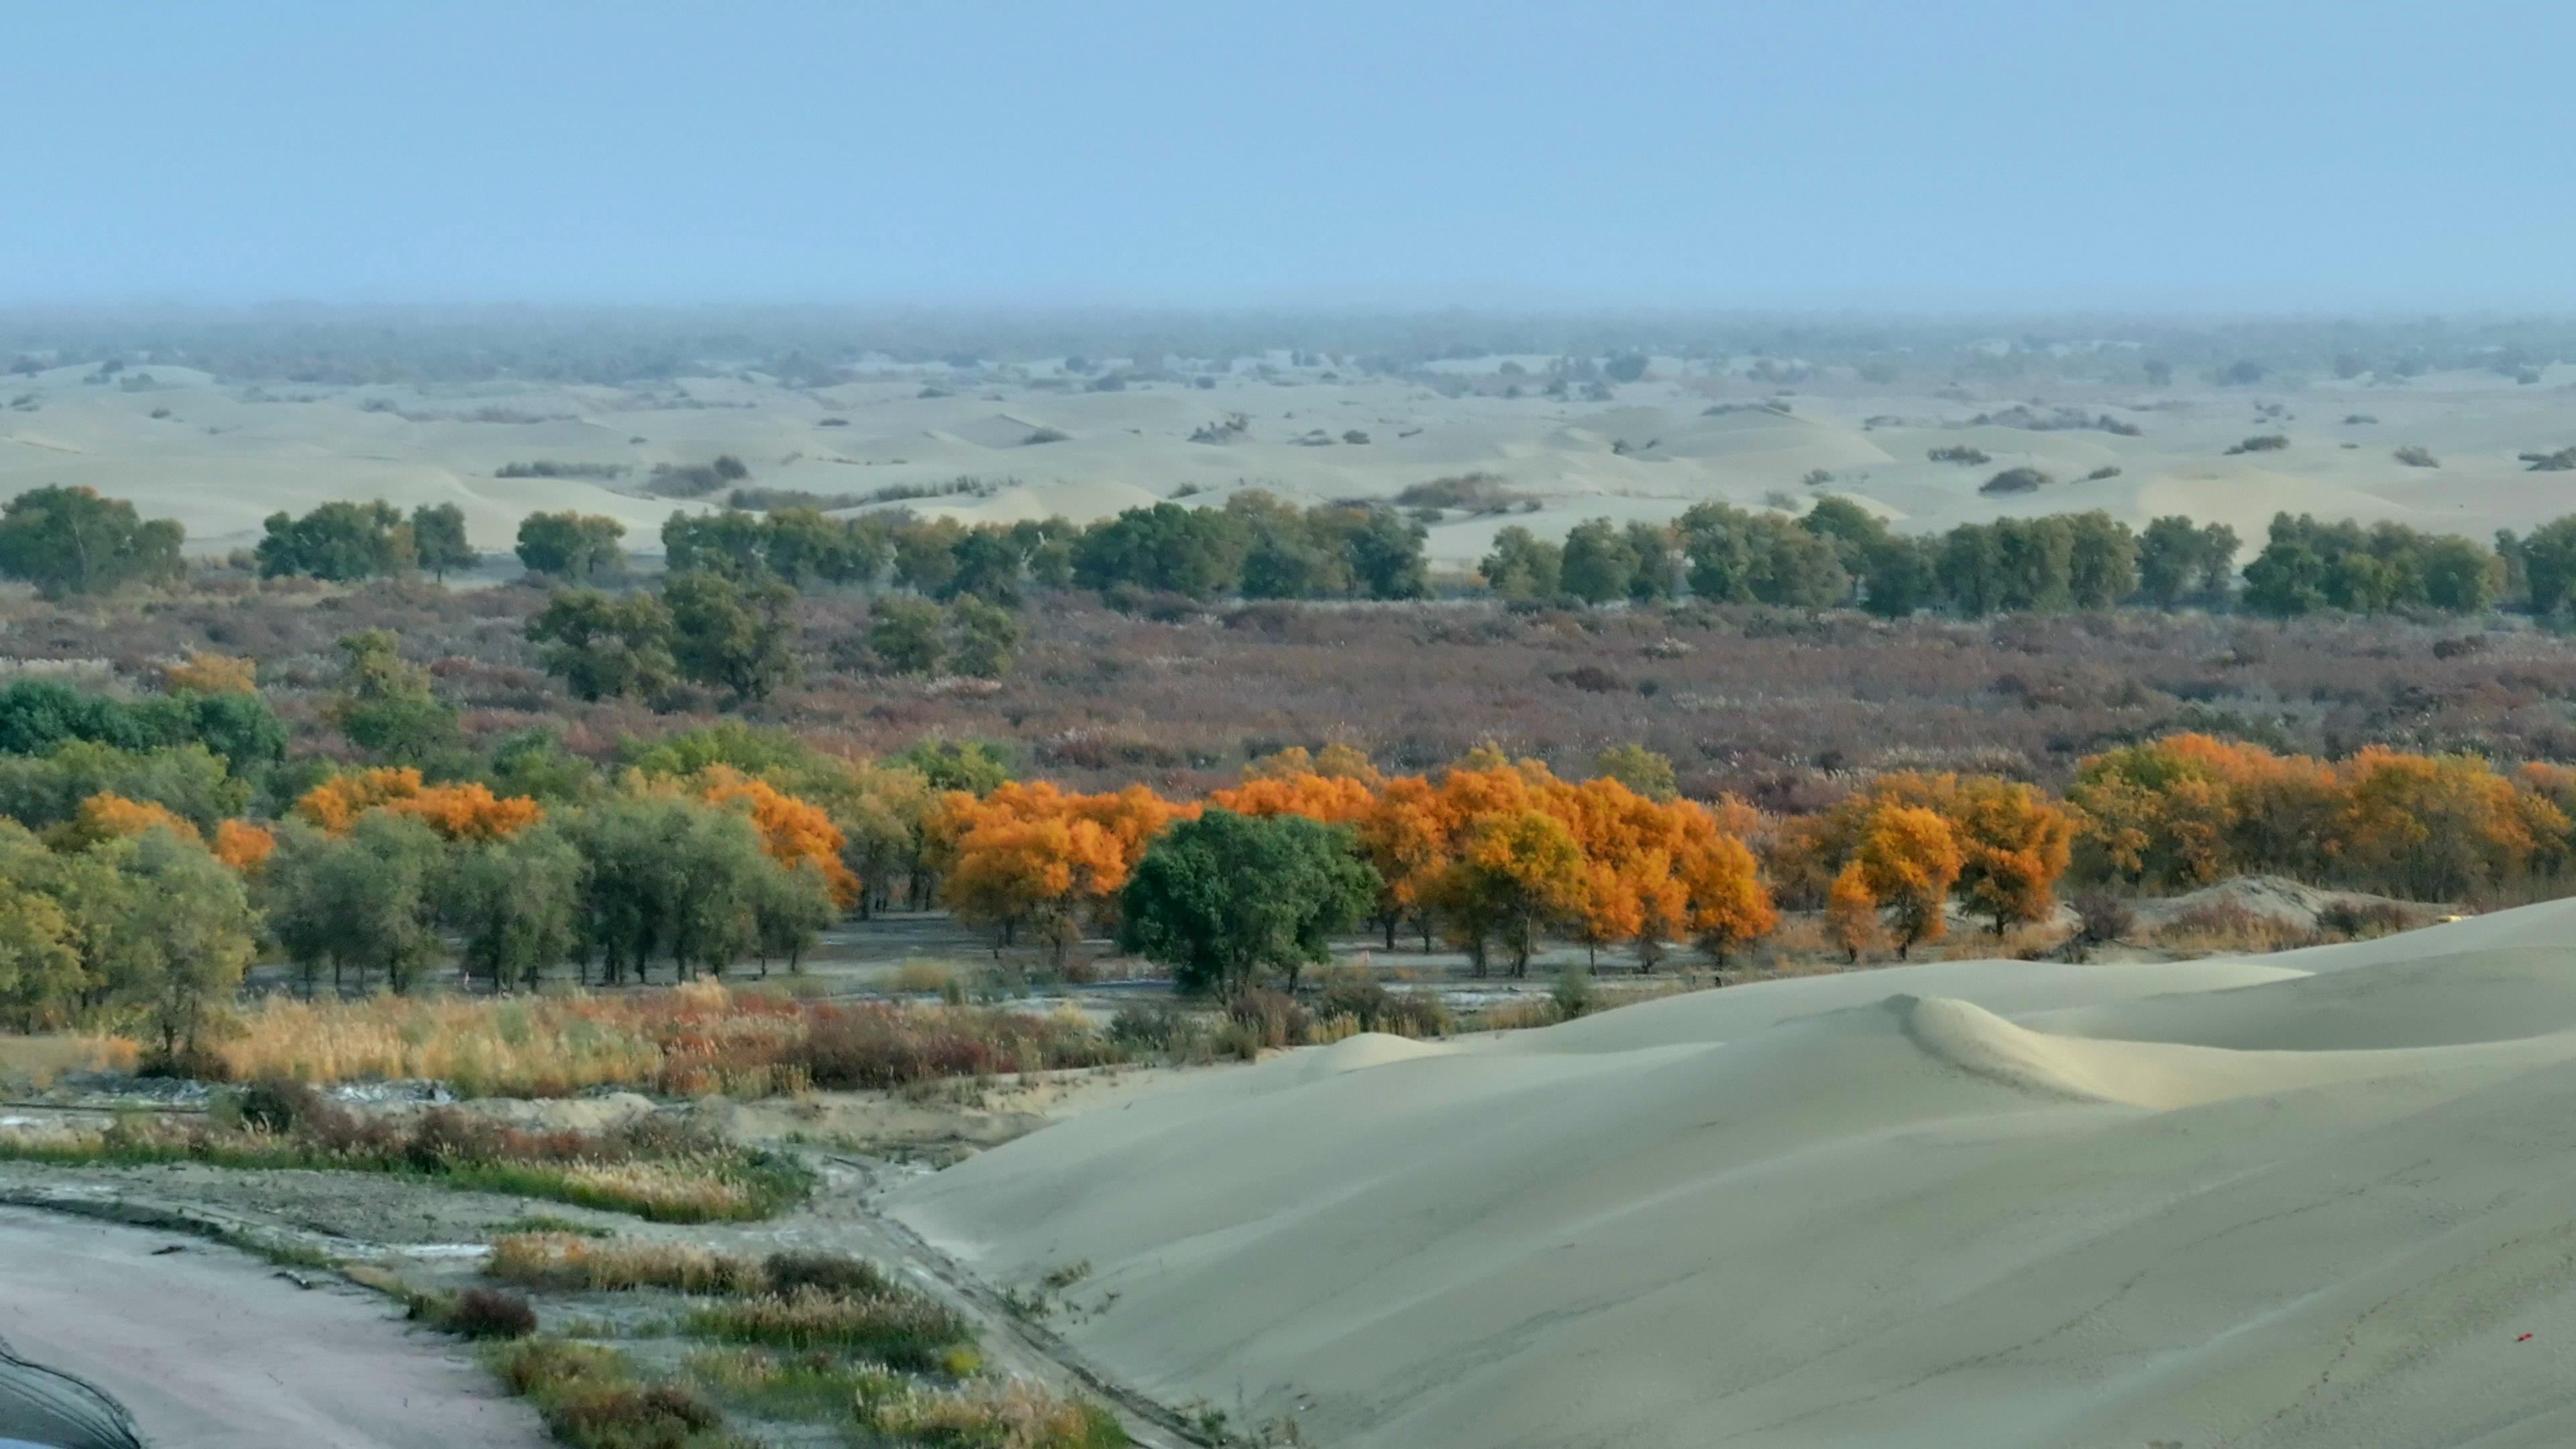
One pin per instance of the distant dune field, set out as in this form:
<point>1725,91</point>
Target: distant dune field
<point>1032,442</point>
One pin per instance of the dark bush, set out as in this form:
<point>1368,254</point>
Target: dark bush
<point>2102,918</point>
<point>489,1313</point>
<point>829,1272</point>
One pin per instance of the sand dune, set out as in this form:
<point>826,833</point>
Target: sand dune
<point>2312,1200</point>
<point>220,454</point>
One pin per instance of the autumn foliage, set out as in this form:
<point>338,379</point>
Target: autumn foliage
<point>793,832</point>
<point>1497,853</point>
<point>457,812</point>
<point>2190,809</point>
<point>1034,856</point>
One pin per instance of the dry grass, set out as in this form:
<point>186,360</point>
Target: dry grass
<point>592,1398</point>
<point>2228,928</point>
<point>651,1170</point>
<point>567,1261</point>
<point>35,1061</point>
<point>899,1327</point>
<point>1011,1414</point>
<point>697,1039</point>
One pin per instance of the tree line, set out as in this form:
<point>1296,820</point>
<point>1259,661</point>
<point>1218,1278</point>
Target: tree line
<point>155,846</point>
<point>70,541</point>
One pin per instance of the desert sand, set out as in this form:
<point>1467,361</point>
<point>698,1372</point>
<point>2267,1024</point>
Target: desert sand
<point>2316,1199</point>
<point>211,1349</point>
<point>219,455</point>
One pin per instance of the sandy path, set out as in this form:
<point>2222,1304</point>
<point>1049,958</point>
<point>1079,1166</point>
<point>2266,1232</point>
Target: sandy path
<point>209,1349</point>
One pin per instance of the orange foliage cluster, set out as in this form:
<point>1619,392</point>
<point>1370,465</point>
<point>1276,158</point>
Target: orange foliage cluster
<point>469,812</point>
<point>792,831</point>
<point>206,673</point>
<point>243,846</point>
<point>336,803</point>
<point>2190,809</point>
<point>104,817</point>
<point>457,812</point>
<point>1497,851</point>
<point>1037,855</point>
<point>1908,842</point>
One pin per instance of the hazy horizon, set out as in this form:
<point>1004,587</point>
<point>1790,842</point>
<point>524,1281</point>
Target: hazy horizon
<point>2002,159</point>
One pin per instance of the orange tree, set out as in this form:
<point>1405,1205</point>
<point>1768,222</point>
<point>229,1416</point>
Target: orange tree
<point>1030,854</point>
<point>1516,873</point>
<point>1908,860</point>
<point>793,832</point>
<point>1851,913</point>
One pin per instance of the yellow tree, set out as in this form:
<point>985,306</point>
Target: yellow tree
<point>1516,872</point>
<point>1406,836</point>
<point>1851,914</point>
<point>2014,845</point>
<point>1729,907</point>
<point>1909,859</point>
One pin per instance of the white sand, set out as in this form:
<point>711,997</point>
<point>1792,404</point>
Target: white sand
<point>226,454</point>
<point>209,1350</point>
<point>2313,1200</point>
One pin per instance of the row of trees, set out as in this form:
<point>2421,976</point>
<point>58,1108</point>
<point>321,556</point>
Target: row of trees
<point>1495,855</point>
<point>70,541</point>
<point>344,542</point>
<point>2190,809</point>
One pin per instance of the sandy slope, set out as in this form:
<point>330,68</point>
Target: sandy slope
<point>220,455</point>
<point>208,1349</point>
<point>2315,1200</point>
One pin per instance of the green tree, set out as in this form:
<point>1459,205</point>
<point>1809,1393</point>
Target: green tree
<point>969,765</point>
<point>1659,562</point>
<point>1384,549</point>
<point>2548,555</point>
<point>1598,564</point>
<point>363,901</point>
<point>606,646</point>
<point>2178,560</point>
<point>905,636</point>
<point>1198,552</point>
<point>1970,568</point>
<point>2102,560</point>
<point>987,567</point>
<point>516,905</point>
<point>1641,770</point>
<point>385,704</point>
<point>193,932</point>
<point>341,542</point>
<point>1897,578</point>
<point>668,876</point>
<point>438,538</point>
<point>70,542</point>
<point>1523,567</point>
<point>575,547</point>
<point>41,976</point>
<point>729,543</point>
<point>1226,898</point>
<point>737,637</point>
<point>790,910</point>
<point>987,636</point>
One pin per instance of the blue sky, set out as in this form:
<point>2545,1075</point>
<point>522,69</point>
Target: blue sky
<point>2244,156</point>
